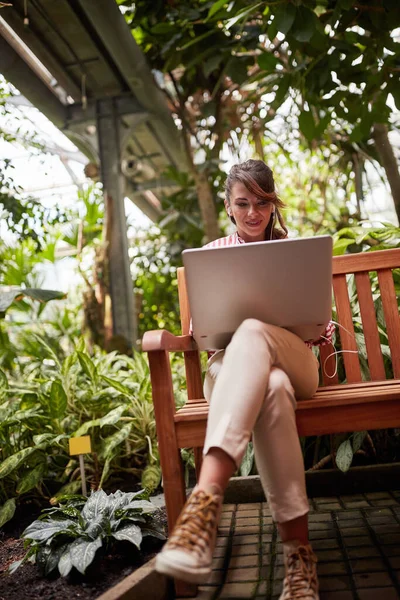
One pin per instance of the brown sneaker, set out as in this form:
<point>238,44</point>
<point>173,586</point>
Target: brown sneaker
<point>188,553</point>
<point>301,579</point>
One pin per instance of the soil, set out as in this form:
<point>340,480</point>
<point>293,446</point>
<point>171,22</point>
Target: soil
<point>107,569</point>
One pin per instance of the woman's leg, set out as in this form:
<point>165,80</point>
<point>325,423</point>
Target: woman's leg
<point>235,405</point>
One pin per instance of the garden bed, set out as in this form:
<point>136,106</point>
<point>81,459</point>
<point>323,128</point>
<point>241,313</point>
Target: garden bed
<point>107,570</point>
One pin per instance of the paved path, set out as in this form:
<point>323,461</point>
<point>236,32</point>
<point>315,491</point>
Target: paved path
<point>356,539</point>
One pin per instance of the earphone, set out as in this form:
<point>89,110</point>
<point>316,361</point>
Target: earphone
<point>336,352</point>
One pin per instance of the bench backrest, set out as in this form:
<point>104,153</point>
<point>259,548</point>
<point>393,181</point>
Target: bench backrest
<point>373,281</point>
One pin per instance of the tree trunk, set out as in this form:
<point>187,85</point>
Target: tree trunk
<point>207,205</point>
<point>204,193</point>
<point>389,162</point>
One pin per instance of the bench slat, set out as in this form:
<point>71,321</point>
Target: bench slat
<point>366,261</point>
<point>370,327</point>
<point>391,312</point>
<point>351,362</point>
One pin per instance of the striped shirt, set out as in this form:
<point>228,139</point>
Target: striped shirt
<point>234,240</point>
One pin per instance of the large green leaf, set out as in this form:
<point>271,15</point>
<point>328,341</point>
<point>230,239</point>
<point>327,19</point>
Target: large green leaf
<point>88,366</point>
<point>83,552</point>
<point>307,124</point>
<point>65,563</point>
<point>7,511</point>
<point>96,504</point>
<point>117,385</point>
<point>31,479</point>
<point>3,385</point>
<point>110,418</point>
<point>358,438</point>
<point>58,400</point>
<point>130,533</point>
<point>9,293</point>
<point>115,440</point>
<point>41,531</point>
<point>284,15</point>
<point>12,462</point>
<point>304,25</point>
<point>344,456</point>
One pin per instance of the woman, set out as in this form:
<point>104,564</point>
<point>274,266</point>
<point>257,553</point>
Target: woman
<point>252,388</point>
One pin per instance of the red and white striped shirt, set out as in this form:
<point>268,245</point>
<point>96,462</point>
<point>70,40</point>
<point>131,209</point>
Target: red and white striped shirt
<point>234,240</point>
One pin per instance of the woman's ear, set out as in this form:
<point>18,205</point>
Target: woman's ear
<point>228,208</point>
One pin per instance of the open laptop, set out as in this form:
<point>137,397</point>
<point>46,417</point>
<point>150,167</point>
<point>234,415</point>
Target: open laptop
<point>282,282</point>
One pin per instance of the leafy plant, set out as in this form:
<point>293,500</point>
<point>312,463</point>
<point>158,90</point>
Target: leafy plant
<point>8,294</point>
<point>68,536</point>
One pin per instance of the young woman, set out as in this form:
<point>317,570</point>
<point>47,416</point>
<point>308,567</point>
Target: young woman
<point>252,388</point>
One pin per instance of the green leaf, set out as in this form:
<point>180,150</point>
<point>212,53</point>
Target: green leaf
<point>3,385</point>
<point>344,456</point>
<point>307,124</point>
<point>88,366</point>
<point>341,245</point>
<point>113,416</point>
<point>284,16</point>
<point>58,400</point>
<point>67,364</point>
<point>13,461</point>
<point>153,532</point>
<point>248,460</point>
<point>143,505</point>
<point>7,511</point>
<point>241,15</point>
<point>82,553</point>
<point>358,438</point>
<point>31,479</point>
<point>117,385</point>
<point>42,531</point>
<point>43,295</point>
<point>65,563</point>
<point>215,8</point>
<point>130,533</point>
<point>96,505</point>
<point>304,25</point>
<point>267,61</point>
<point>115,440</point>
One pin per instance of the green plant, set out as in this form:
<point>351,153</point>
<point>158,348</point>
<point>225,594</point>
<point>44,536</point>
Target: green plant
<point>69,535</point>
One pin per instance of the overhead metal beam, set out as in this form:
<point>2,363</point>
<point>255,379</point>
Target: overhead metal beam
<point>110,24</point>
<point>45,56</point>
<point>15,70</point>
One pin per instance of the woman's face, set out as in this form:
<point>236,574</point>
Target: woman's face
<point>251,214</point>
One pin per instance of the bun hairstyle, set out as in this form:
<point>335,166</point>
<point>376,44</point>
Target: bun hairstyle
<point>259,180</point>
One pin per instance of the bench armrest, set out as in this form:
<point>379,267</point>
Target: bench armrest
<point>160,339</point>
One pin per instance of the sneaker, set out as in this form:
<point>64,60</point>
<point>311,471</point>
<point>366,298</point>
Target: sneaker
<point>301,579</point>
<point>188,553</point>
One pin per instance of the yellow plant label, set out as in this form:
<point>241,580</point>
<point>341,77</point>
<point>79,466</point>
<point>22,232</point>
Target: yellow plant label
<point>80,445</point>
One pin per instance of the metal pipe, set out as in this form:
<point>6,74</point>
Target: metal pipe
<point>15,70</point>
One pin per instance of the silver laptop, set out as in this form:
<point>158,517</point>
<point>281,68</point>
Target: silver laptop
<point>282,282</point>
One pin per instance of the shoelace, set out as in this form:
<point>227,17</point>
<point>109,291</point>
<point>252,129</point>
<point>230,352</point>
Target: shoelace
<point>196,523</point>
<point>301,573</point>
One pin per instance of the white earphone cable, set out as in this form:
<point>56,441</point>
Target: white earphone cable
<point>336,352</point>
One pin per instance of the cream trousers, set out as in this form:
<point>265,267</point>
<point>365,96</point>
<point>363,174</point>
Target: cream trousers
<point>252,388</point>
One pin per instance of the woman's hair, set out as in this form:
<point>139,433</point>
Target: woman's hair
<point>259,180</point>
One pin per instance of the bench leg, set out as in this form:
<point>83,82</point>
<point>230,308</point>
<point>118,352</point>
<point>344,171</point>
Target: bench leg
<point>170,456</point>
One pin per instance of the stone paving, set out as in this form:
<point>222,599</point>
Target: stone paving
<point>356,539</point>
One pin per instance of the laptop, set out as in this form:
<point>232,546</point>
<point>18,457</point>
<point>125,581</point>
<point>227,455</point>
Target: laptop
<point>282,282</point>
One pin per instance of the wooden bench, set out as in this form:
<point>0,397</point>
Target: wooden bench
<point>352,406</point>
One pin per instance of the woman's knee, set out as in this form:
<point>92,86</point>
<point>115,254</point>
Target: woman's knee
<point>280,392</point>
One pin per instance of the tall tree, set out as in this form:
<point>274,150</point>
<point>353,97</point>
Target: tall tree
<point>229,67</point>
